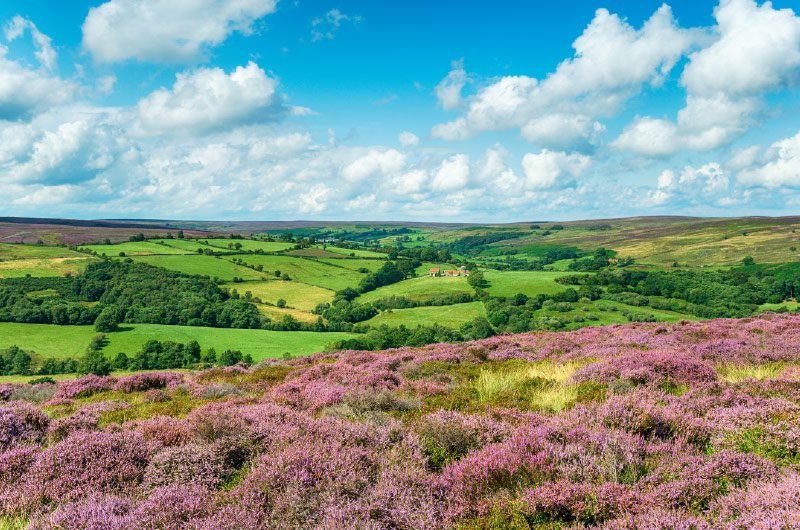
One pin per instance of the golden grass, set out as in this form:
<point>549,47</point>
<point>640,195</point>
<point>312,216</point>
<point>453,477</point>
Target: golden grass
<point>733,373</point>
<point>542,384</point>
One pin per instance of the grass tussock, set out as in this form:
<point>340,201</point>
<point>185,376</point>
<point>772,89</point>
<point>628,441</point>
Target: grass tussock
<point>539,385</point>
<point>733,373</point>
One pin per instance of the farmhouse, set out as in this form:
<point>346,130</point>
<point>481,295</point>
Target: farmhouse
<point>433,272</point>
<point>451,273</point>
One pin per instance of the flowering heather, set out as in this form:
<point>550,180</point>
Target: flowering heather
<point>651,432</point>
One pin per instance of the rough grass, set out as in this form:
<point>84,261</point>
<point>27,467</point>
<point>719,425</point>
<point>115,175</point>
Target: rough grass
<point>450,316</point>
<point>44,267</point>
<point>297,294</point>
<point>419,289</point>
<point>277,313</point>
<point>540,385</point>
<point>203,265</point>
<point>733,373</point>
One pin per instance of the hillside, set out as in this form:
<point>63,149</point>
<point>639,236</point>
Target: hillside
<point>686,425</point>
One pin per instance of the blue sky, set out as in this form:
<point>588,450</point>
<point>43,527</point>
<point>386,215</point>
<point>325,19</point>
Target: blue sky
<point>440,111</point>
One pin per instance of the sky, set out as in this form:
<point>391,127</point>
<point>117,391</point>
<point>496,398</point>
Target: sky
<point>406,111</point>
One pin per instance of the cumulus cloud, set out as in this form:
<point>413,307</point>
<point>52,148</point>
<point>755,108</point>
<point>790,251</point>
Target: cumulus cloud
<point>453,174</point>
<point>553,169</point>
<point>408,139</point>
<point>44,50</point>
<point>51,152</point>
<point>325,27</point>
<point>782,168</point>
<point>756,50</point>
<point>166,30</point>
<point>448,91</point>
<point>24,92</point>
<point>209,99</point>
<point>280,146</point>
<point>374,163</point>
<point>612,62</point>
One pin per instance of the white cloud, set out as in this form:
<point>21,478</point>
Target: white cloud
<point>758,50</point>
<point>315,200</point>
<point>782,169</point>
<point>208,99</point>
<point>280,146</point>
<point>704,123</point>
<point>325,27</point>
<point>612,63</point>
<point>553,169</point>
<point>51,151</point>
<point>374,163</point>
<point>24,92</point>
<point>453,174</point>
<point>409,182</point>
<point>44,50</point>
<point>448,91</point>
<point>166,30</point>
<point>408,139</point>
<point>563,131</point>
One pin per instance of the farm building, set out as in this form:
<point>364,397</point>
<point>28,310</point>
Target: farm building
<point>433,272</point>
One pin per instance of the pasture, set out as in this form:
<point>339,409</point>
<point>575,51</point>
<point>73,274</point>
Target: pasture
<point>47,340</point>
<point>249,244</point>
<point>136,248</point>
<point>306,270</point>
<point>451,316</point>
<point>261,344</point>
<point>209,266</point>
<point>419,289</point>
<point>531,283</point>
<point>297,294</point>
<point>44,267</point>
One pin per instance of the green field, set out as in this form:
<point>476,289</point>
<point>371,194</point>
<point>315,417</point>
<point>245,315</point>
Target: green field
<point>9,251</point>
<point>356,253</point>
<point>45,267</point>
<point>136,248</point>
<point>184,244</point>
<point>249,244</point>
<point>531,283</point>
<point>298,295</point>
<point>47,340</point>
<point>419,289</point>
<point>202,265</point>
<point>260,344</point>
<point>71,341</point>
<point>309,271</point>
<point>370,264</point>
<point>449,316</point>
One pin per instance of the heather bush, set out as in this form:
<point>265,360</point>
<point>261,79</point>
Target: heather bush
<point>21,424</point>
<point>33,393</point>
<point>188,464</point>
<point>155,395</point>
<point>82,420</point>
<point>83,464</point>
<point>634,429</point>
<point>145,381</point>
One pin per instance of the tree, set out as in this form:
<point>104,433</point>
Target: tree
<point>120,362</point>
<point>748,260</point>
<point>180,234</point>
<point>475,279</point>
<point>108,320</point>
<point>94,362</point>
<point>21,363</point>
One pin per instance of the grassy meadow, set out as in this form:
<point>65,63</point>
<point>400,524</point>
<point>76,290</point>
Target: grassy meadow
<point>451,316</point>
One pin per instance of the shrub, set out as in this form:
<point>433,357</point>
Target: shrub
<point>188,464</point>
